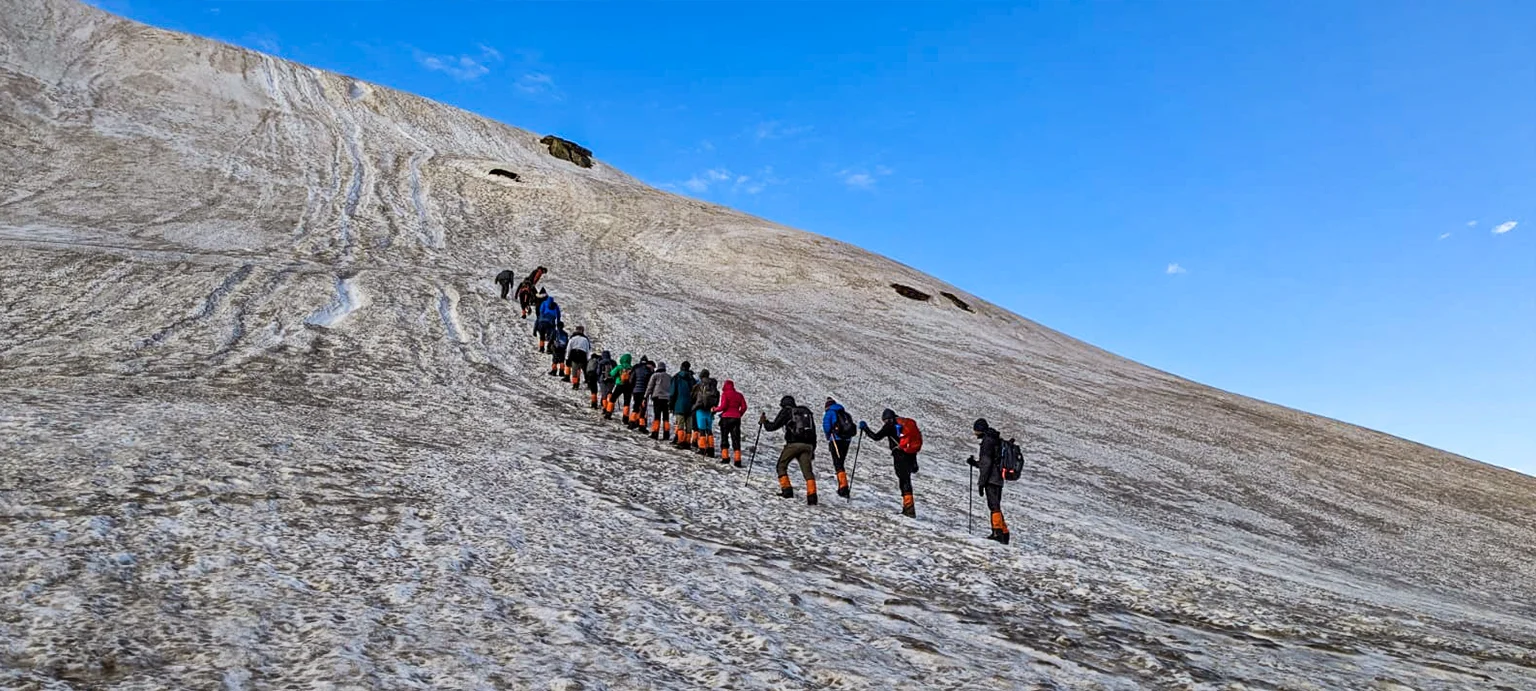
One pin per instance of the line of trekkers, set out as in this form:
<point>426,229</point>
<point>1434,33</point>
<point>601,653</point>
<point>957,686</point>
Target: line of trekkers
<point>681,408</point>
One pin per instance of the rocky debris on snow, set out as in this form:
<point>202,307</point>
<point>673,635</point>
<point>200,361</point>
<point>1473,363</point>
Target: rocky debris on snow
<point>502,172</point>
<point>911,293</point>
<point>568,150</point>
<point>956,299</point>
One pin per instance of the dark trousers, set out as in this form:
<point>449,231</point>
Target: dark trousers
<point>994,498</point>
<point>557,356</point>
<point>839,449</point>
<point>905,464</point>
<point>661,409</point>
<point>620,394</point>
<point>730,433</point>
<point>506,287</point>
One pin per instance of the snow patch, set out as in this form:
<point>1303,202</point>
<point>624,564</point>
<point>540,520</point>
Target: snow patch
<point>349,298</point>
<point>448,310</point>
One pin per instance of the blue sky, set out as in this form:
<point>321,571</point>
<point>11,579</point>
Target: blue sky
<point>1327,205</point>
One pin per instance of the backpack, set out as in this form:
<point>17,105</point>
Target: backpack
<point>801,424</point>
<point>626,376</point>
<point>562,339</point>
<point>1011,459</point>
<point>908,437</point>
<point>842,425</point>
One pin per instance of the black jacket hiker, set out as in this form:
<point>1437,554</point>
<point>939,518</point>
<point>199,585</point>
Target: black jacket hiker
<point>799,427</point>
<point>905,464</point>
<point>989,480</point>
<point>505,279</point>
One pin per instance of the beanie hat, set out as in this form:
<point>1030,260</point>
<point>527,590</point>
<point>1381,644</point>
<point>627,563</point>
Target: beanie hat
<point>829,402</point>
<point>981,425</point>
<point>787,402</point>
<point>887,414</point>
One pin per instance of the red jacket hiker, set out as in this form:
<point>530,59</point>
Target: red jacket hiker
<point>732,403</point>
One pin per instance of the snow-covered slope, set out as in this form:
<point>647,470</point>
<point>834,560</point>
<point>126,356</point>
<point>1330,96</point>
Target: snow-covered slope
<point>264,421</point>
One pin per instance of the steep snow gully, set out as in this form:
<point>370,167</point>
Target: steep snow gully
<point>264,422</point>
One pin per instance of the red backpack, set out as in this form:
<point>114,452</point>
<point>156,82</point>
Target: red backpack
<point>908,437</point>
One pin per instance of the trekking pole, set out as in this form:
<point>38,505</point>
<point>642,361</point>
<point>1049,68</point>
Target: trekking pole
<point>970,501</point>
<point>753,459</point>
<point>855,471</point>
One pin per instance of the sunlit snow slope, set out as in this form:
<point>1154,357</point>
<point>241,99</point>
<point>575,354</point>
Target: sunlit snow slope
<point>264,421</point>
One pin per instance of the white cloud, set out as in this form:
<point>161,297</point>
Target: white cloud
<point>537,84</point>
<point>1444,235</point>
<point>863,181</point>
<point>1471,224</point>
<point>735,183</point>
<point>703,181</point>
<point>1504,227</point>
<point>862,178</point>
<point>265,44</point>
<point>464,68</point>
<point>1175,269</point>
<point>773,129</point>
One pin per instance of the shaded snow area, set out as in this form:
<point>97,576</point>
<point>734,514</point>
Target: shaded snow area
<point>265,423</point>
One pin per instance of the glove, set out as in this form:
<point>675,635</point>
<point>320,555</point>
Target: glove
<point>981,490</point>
<point>972,462</point>
<point>863,427</point>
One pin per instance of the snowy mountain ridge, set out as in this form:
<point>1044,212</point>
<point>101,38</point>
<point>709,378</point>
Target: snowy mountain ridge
<point>265,421</point>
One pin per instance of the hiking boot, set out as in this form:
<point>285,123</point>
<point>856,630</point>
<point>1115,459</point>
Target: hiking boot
<point>843,492</point>
<point>655,435</point>
<point>1003,538</point>
<point>909,511</point>
<point>810,499</point>
<point>737,462</point>
<point>996,535</point>
<point>725,460</point>
<point>787,492</point>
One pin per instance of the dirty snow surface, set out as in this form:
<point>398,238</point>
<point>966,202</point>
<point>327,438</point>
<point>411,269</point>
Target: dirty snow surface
<point>264,423</point>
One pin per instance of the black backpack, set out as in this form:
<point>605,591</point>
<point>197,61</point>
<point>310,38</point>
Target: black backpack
<point>842,425</point>
<point>802,425</point>
<point>1011,459</point>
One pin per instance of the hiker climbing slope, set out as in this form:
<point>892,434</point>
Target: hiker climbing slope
<point>839,428</point>
<point>559,340</point>
<point>732,406</point>
<point>577,352</point>
<point>682,404</point>
<point>906,441</point>
<point>635,420</point>
<point>527,291</point>
<point>706,395</point>
<point>505,279</point>
<point>599,379</point>
<point>659,392</point>
<point>993,473</point>
<point>799,427</point>
<point>621,378</point>
<point>548,315</point>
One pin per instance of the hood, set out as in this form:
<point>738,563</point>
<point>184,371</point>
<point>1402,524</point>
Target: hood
<point>887,414</point>
<point>624,360</point>
<point>787,402</point>
<point>730,387</point>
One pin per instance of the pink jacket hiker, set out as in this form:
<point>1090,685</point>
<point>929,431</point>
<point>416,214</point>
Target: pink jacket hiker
<point>732,403</point>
